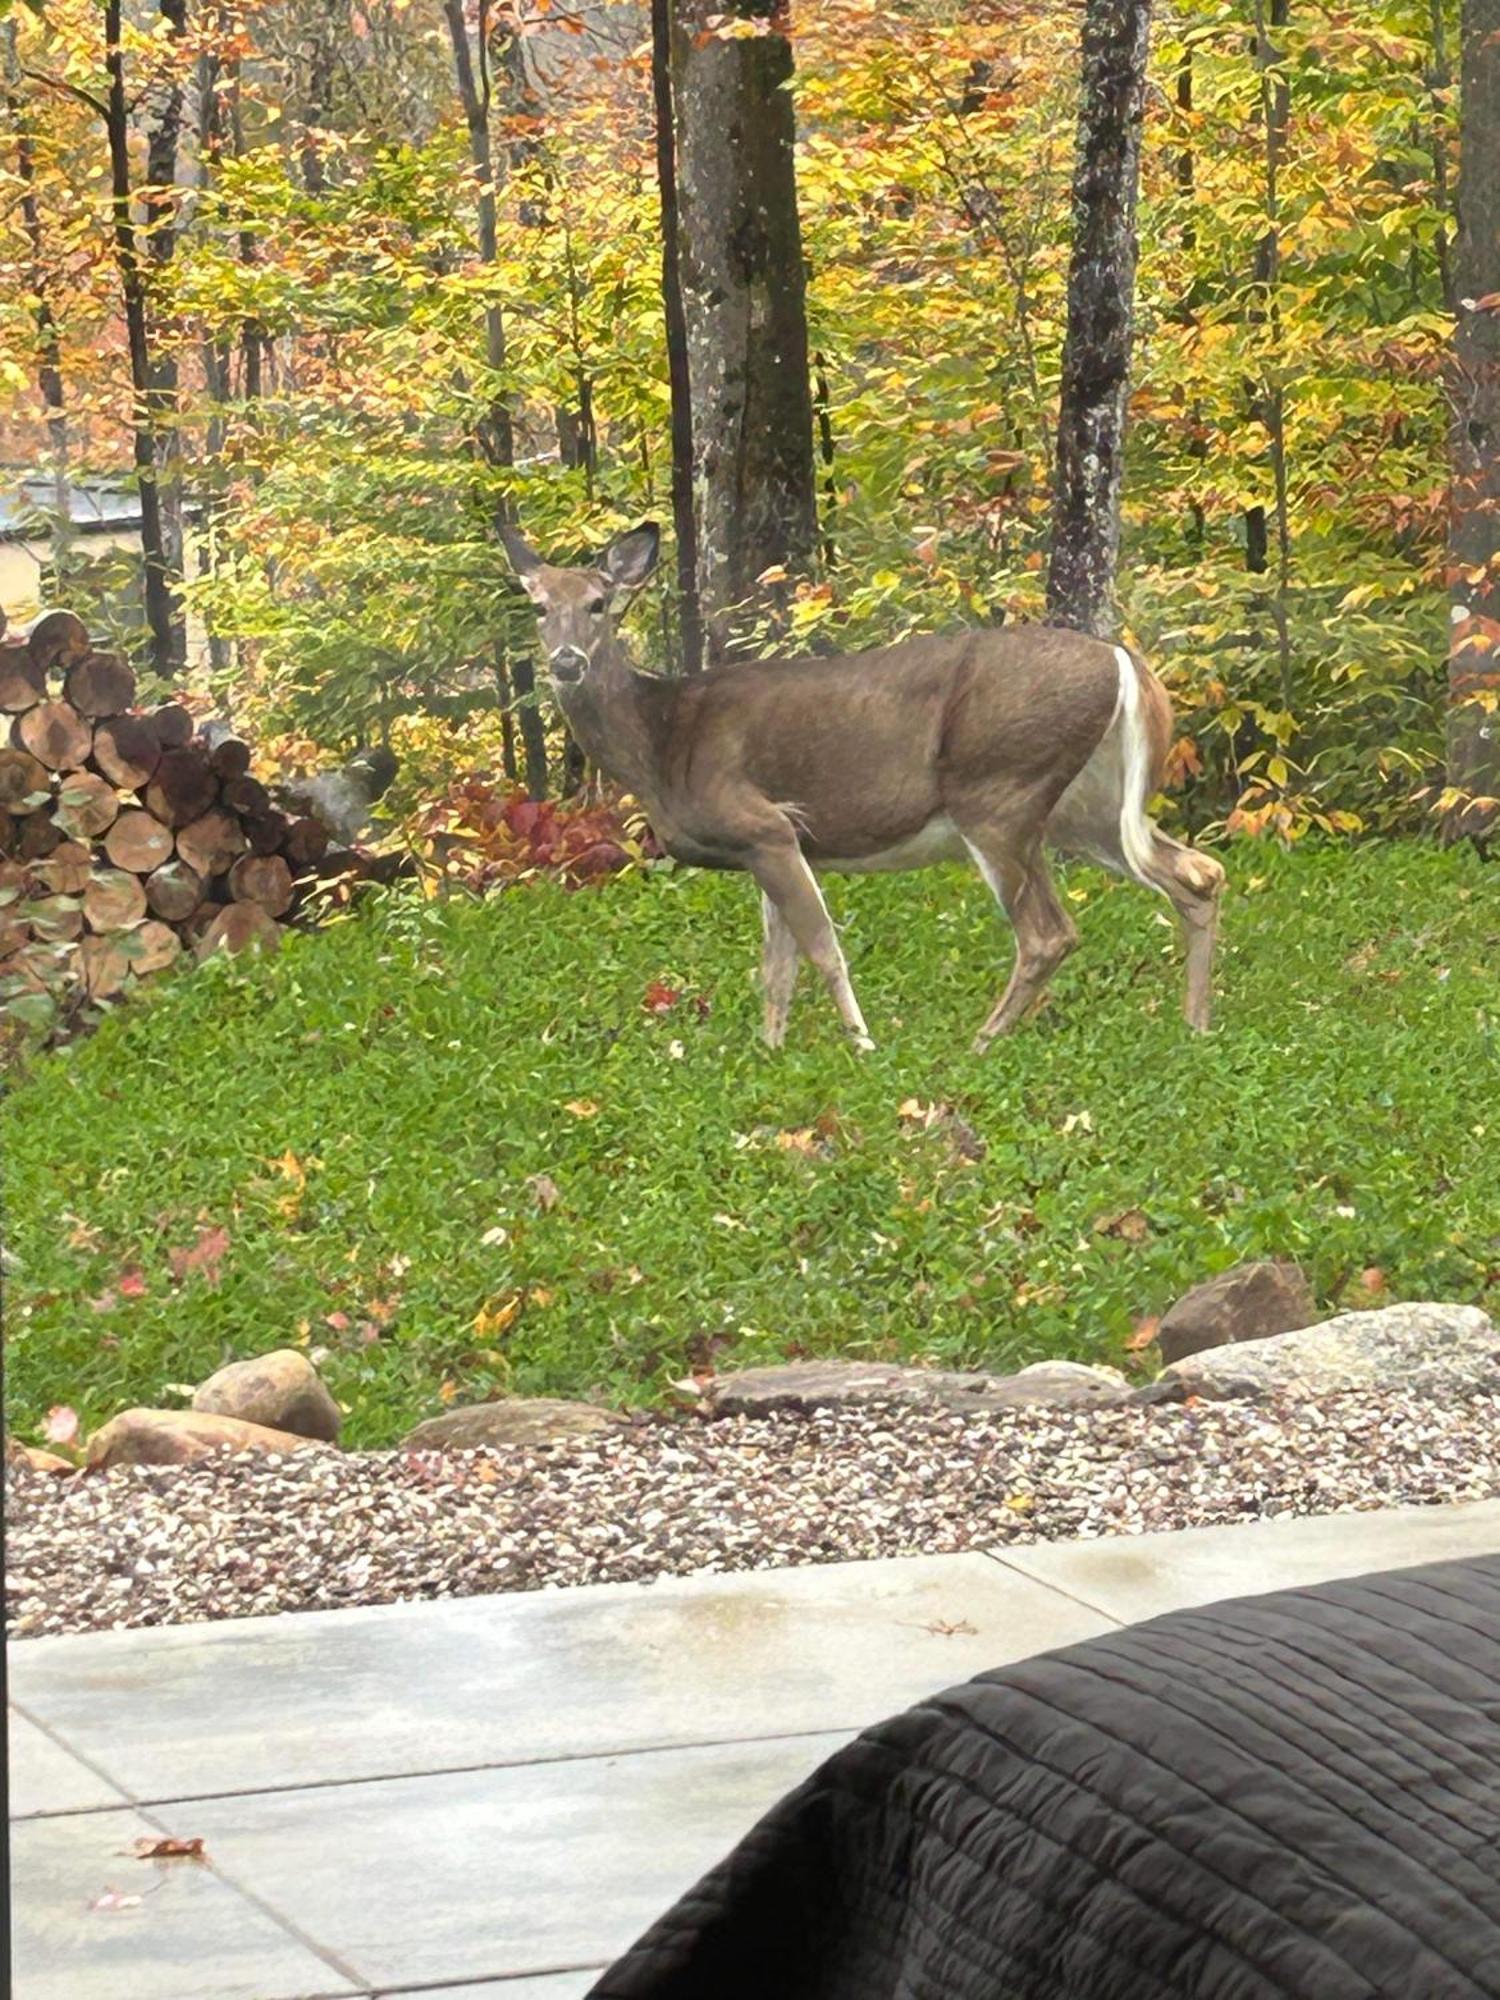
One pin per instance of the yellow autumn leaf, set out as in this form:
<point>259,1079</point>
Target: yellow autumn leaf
<point>582,1107</point>
<point>493,1319</point>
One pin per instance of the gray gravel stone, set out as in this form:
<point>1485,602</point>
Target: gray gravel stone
<point>824,1385</point>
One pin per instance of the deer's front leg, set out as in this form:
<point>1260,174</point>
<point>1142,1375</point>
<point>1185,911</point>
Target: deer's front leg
<point>778,970</point>
<point>786,881</point>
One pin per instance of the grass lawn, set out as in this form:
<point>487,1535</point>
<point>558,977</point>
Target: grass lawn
<point>451,1148</point>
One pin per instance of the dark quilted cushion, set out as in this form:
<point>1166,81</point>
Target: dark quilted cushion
<point>1288,1795</point>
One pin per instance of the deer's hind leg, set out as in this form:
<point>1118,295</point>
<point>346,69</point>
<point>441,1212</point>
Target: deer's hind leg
<point>1193,883</point>
<point>1018,877</point>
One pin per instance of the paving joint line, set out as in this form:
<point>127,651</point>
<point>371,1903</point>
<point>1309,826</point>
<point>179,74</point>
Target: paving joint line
<point>1072,1597</point>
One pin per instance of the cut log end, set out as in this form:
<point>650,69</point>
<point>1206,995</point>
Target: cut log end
<point>240,927</point>
<point>57,639</point>
<point>87,805</point>
<point>126,751</point>
<point>183,788</point>
<point>22,682</point>
<point>99,685</point>
<point>115,900</point>
<point>139,841</point>
<point>264,879</point>
<point>56,735</point>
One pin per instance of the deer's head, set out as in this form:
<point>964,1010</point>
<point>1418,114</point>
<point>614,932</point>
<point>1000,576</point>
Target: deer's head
<point>578,608</point>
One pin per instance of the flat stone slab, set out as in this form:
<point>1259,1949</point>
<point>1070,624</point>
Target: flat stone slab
<point>45,1778</point>
<point>814,1385</point>
<point>547,1986</point>
<point>190,1937</point>
<point>254,1703</point>
<point>1410,1347</point>
<point>496,1873</point>
<point>1141,1576</point>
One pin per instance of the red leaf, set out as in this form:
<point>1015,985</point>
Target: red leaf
<point>659,998</point>
<point>205,1256</point>
<point>132,1284</point>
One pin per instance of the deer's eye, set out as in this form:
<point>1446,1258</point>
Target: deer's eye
<point>597,607</point>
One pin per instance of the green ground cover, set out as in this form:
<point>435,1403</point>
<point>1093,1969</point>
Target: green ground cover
<point>452,1146</point>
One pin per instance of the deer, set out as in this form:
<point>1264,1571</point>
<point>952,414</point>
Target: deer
<point>986,745</point>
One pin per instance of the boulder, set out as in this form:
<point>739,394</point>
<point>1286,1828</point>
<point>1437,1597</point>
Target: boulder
<point>33,1456</point>
<point>516,1421</point>
<point>1250,1302</point>
<point>178,1437</point>
<point>281,1390</point>
<point>1417,1349</point>
<point>821,1385</point>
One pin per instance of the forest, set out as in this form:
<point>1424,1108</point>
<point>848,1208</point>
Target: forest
<point>333,288</point>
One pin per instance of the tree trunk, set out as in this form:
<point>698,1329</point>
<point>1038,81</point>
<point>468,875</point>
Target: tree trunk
<point>48,339</point>
<point>689,614</point>
<point>1474,518</point>
<point>159,212</point>
<point>161,602</point>
<point>1275,105</point>
<point>743,287</point>
<point>1275,111</point>
<point>1101,299</point>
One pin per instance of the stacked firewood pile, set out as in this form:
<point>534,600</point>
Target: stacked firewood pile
<point>128,836</point>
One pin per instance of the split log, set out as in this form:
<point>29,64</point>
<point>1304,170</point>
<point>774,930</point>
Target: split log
<point>115,900</point>
<point>56,735</point>
<point>152,949</point>
<point>139,841</point>
<point>126,751</point>
<point>68,868</point>
<point>100,684</point>
<point>230,758</point>
<point>105,966</point>
<point>37,835</point>
<point>53,919</point>
<point>8,834</point>
<point>263,879</point>
<point>58,639</point>
<point>24,783</point>
<point>212,843</point>
<point>248,797</point>
<point>22,682</point>
<point>183,788</point>
<point>87,805</point>
<point>306,843</point>
<point>174,891</point>
<point>14,932</point>
<point>267,831</point>
<point>239,927</point>
<point>173,725</point>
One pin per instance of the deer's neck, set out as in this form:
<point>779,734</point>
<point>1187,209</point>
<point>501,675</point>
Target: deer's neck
<point>610,713</point>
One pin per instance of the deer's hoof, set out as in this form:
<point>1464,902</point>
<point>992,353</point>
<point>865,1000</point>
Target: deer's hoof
<point>863,1045</point>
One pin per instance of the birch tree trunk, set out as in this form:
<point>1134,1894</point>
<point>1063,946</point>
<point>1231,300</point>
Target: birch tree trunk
<point>1101,302</point>
<point>1474,519</point>
<point>744,307</point>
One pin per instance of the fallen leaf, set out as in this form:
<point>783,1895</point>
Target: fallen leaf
<point>498,1234</point>
<point>106,1302</point>
<point>132,1284</point>
<point>582,1107</point>
<point>951,1628</point>
<point>544,1191</point>
<point>803,1140</point>
<point>447,1391</point>
<point>540,1295</point>
<point>166,1848</point>
<point>1130,1225</point>
<point>204,1256</point>
<point>660,998</point>
<point>492,1320</point>
<point>339,1321</point>
<point>1143,1333</point>
<point>1020,1503</point>
<point>1078,1121</point>
<point>61,1426</point>
<point>83,1235</point>
<point>113,1900</point>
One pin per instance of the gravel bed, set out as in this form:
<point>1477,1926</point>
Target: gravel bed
<point>234,1536</point>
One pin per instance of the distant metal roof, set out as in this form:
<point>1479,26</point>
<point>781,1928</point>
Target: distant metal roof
<point>93,505</point>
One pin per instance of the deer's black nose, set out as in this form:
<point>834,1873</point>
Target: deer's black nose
<point>568,663</point>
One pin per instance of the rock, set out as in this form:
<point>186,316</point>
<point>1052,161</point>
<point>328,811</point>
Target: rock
<point>818,1385</point>
<point>1406,1348</point>
<point>517,1420</point>
<point>32,1455</point>
<point>1249,1302</point>
<point>281,1391</point>
<point>177,1437</point>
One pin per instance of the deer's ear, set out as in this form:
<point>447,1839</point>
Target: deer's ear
<point>631,557</point>
<point>524,559</point>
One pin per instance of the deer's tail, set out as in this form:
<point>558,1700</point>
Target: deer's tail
<point>1137,836</point>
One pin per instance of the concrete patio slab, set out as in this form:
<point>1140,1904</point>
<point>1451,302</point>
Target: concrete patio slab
<point>516,1870</point>
<point>262,1703</point>
<point>189,1937</point>
<point>1131,1577</point>
<point>488,1800</point>
<point>45,1778</point>
<point>550,1986</point>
